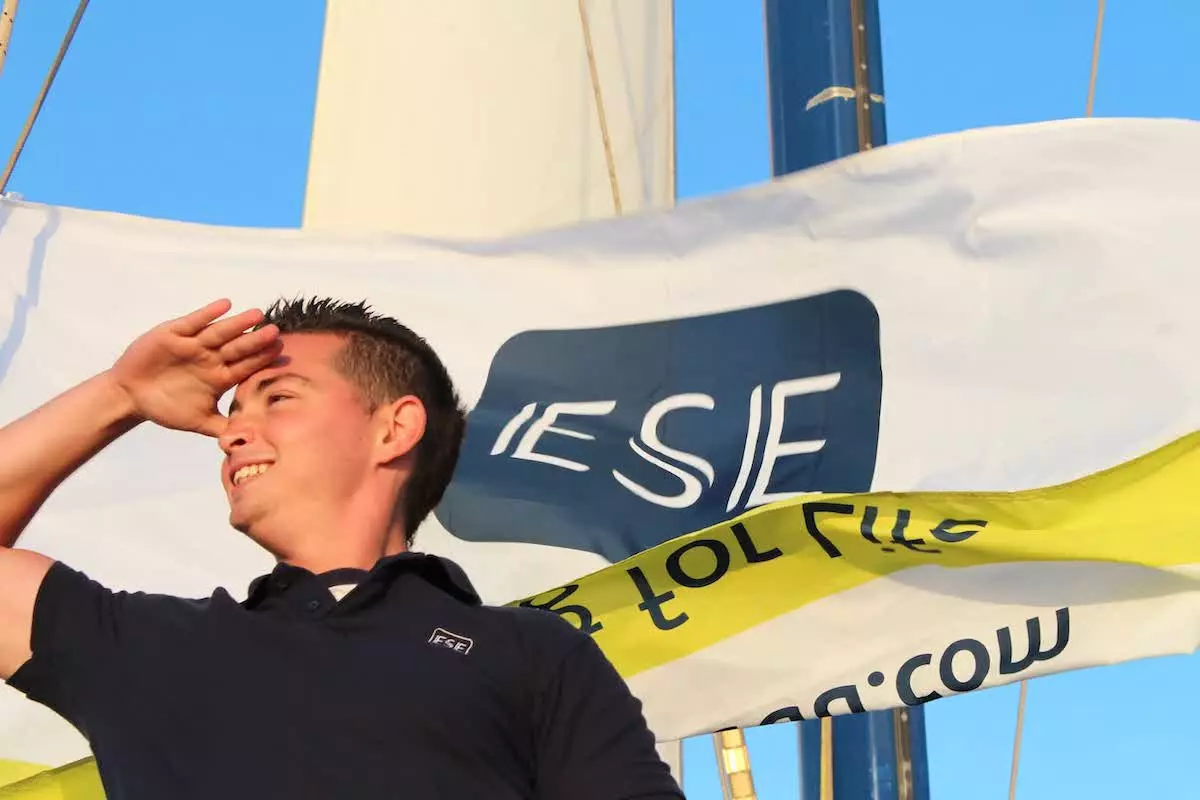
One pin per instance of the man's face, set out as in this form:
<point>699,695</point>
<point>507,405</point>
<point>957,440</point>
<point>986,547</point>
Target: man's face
<point>298,444</point>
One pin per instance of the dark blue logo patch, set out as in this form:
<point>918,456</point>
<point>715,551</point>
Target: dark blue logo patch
<point>613,440</point>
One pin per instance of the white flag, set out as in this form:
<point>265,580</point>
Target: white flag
<point>997,310</point>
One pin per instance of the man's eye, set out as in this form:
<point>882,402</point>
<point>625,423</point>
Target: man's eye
<point>274,398</point>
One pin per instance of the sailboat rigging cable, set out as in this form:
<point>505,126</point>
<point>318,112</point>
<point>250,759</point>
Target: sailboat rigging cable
<point>1016,759</point>
<point>7,16</point>
<point>595,76</point>
<point>41,98</point>
<point>1091,99</point>
<point>1091,96</point>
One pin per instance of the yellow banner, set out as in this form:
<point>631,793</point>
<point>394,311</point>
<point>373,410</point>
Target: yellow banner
<point>76,781</point>
<point>674,599</point>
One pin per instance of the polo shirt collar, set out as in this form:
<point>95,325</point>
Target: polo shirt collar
<point>440,572</point>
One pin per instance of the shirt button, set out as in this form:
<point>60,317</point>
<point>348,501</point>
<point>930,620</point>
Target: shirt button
<point>313,605</point>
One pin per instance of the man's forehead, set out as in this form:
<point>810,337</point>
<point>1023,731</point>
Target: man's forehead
<point>275,373</point>
<point>303,355</point>
<point>303,358</point>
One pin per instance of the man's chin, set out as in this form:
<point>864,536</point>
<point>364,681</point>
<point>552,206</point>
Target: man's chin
<point>240,522</point>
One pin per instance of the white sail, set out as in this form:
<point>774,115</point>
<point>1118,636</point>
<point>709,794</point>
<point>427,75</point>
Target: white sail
<point>480,118</point>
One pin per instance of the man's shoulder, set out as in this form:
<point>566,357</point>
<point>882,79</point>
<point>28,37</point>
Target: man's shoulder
<point>537,621</point>
<point>547,633</point>
<point>81,628</point>
<point>67,583</point>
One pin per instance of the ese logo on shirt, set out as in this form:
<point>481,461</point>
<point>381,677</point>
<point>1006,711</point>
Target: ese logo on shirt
<point>615,439</point>
<point>451,641</point>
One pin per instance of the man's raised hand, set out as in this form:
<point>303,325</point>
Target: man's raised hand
<point>176,372</point>
<point>173,375</point>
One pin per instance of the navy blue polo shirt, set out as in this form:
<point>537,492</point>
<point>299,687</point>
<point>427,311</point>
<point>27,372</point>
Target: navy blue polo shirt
<point>408,687</point>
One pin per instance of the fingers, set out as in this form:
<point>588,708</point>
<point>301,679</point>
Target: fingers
<point>250,343</point>
<point>193,323</point>
<point>242,369</point>
<point>214,425</point>
<point>220,333</point>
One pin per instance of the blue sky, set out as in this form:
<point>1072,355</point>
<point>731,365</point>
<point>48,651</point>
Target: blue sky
<point>174,110</point>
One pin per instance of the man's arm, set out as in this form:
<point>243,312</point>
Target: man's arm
<point>37,453</point>
<point>593,741</point>
<point>172,375</point>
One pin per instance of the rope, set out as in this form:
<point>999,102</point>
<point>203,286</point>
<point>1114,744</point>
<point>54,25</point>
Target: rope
<point>608,153</point>
<point>1016,758</point>
<point>1091,101</point>
<point>1091,96</point>
<point>7,17</point>
<point>41,98</point>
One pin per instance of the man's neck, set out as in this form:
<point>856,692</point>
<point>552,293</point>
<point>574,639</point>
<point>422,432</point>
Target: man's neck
<point>327,560</point>
<point>325,548</point>
<point>354,535</point>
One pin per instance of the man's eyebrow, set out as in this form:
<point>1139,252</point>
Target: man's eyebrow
<point>264,384</point>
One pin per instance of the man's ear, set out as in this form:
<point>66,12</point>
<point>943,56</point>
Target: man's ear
<point>402,425</point>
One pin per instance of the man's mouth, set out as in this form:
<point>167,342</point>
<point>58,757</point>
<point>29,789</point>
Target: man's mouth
<point>249,472</point>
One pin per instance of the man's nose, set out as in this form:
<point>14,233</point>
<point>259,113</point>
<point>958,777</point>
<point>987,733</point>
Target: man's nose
<point>238,433</point>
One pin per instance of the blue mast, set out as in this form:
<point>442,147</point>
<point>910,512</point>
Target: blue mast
<point>825,93</point>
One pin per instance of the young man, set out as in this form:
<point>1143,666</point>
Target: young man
<point>356,668</point>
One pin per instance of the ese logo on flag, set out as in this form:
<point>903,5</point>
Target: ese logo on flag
<point>615,439</point>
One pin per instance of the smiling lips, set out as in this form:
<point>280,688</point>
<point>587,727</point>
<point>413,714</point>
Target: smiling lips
<point>249,471</point>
